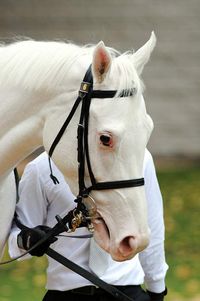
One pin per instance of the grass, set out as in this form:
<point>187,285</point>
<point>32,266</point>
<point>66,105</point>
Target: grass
<point>181,195</point>
<point>23,280</point>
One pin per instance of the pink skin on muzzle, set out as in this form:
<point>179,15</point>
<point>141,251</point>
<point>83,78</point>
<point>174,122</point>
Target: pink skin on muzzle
<point>125,247</point>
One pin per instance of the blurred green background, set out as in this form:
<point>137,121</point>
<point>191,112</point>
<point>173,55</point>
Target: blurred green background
<point>181,193</point>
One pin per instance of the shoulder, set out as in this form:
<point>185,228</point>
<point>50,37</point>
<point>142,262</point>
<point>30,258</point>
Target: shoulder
<point>38,165</point>
<point>41,160</point>
<point>149,169</point>
<point>150,175</point>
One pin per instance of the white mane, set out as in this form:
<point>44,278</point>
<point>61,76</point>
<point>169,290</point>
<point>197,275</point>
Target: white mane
<point>44,65</point>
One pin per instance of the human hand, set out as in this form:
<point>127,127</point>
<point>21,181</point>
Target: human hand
<point>27,238</point>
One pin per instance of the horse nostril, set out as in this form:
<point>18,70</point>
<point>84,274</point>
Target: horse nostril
<point>127,245</point>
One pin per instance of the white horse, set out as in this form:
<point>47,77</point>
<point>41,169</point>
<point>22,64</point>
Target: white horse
<point>39,82</point>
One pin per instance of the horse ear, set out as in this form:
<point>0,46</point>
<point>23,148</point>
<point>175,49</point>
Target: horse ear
<point>142,55</point>
<point>101,62</point>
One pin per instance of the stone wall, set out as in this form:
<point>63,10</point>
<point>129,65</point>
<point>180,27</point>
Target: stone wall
<point>172,77</point>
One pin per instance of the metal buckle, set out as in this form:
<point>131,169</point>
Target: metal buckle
<point>84,88</point>
<point>77,219</point>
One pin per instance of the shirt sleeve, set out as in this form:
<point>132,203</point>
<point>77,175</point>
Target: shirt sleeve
<point>31,208</point>
<point>152,258</point>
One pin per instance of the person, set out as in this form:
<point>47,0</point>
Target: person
<point>40,200</point>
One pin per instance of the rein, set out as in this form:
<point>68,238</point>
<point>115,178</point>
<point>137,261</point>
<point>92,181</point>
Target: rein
<point>59,228</point>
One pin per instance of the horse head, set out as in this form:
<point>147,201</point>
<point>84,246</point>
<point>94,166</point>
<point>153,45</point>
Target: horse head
<point>118,133</point>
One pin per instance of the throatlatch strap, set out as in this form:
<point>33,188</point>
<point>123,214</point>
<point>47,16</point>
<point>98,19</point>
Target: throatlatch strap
<point>87,81</point>
<point>64,126</point>
<point>17,179</point>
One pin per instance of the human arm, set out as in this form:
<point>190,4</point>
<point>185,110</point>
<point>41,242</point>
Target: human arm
<point>152,258</point>
<point>31,211</point>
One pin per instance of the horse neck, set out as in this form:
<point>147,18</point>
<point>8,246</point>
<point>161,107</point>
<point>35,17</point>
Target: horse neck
<point>23,112</point>
<point>20,133</point>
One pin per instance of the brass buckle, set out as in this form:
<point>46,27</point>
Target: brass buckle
<point>77,220</point>
<point>84,88</point>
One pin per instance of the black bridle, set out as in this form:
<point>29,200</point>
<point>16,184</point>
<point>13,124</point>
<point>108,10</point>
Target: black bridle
<point>86,94</point>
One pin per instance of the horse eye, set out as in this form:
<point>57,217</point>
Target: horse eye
<point>105,139</point>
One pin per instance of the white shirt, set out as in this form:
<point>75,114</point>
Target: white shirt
<point>41,200</point>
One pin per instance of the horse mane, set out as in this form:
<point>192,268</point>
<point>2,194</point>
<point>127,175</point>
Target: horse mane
<point>45,64</point>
